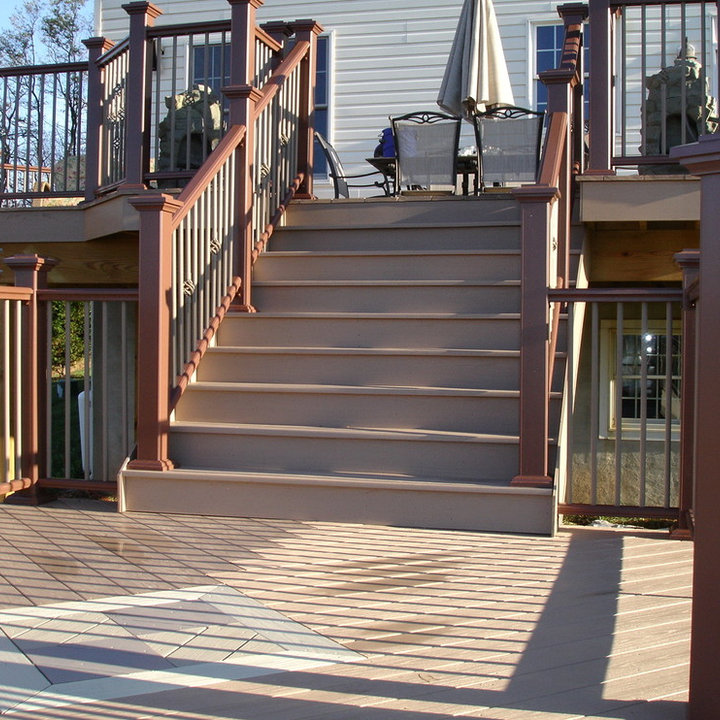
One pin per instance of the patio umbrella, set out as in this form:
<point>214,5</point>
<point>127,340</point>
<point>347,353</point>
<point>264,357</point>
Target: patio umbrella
<point>476,75</point>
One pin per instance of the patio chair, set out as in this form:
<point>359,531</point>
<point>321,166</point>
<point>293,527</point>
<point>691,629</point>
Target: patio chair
<point>340,178</point>
<point>508,140</point>
<point>426,144</point>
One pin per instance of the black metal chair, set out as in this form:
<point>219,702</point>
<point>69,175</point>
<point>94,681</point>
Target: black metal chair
<point>508,141</point>
<point>426,144</point>
<point>340,178</point>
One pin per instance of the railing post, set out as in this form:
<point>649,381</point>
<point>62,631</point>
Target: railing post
<point>535,207</point>
<point>154,289</point>
<point>243,96</point>
<point>703,158</point>
<point>689,262</point>
<point>306,30</point>
<point>602,23</point>
<point>96,47</point>
<point>31,272</point>
<point>139,87</point>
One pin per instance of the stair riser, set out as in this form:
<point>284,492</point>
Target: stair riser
<point>257,329</point>
<point>397,238</point>
<point>500,373</point>
<point>448,211</point>
<point>398,298</point>
<point>268,453</point>
<point>474,509</point>
<point>316,266</point>
<point>396,411</point>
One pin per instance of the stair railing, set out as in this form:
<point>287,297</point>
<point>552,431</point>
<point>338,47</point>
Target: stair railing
<point>197,250</point>
<point>545,237</point>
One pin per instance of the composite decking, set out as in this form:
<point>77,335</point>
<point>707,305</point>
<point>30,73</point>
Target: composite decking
<point>195,617</point>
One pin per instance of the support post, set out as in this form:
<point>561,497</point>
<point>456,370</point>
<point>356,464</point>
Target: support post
<point>689,262</point>
<point>243,97</point>
<point>703,158</point>
<point>306,30</point>
<point>96,47</point>
<point>535,207</point>
<point>154,288</point>
<point>602,23</point>
<point>31,272</point>
<point>139,86</point>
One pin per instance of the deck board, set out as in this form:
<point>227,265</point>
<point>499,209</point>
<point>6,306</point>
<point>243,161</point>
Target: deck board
<point>594,623</point>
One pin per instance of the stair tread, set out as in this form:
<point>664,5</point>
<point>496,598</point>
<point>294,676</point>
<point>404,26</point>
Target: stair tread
<point>385,283</point>
<point>310,350</point>
<point>377,315</point>
<point>408,434</point>
<point>224,386</point>
<point>390,253</point>
<point>359,479</point>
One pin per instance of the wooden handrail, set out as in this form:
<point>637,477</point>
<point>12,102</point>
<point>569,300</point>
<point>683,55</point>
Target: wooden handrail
<point>42,69</point>
<point>273,85</point>
<point>10,292</point>
<point>552,157</point>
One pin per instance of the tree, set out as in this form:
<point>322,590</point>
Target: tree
<point>42,112</point>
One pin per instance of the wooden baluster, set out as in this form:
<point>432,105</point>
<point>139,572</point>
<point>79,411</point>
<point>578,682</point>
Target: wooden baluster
<point>703,158</point>
<point>602,23</point>
<point>139,93</point>
<point>307,30</point>
<point>96,47</point>
<point>689,262</point>
<point>535,207</point>
<point>154,289</point>
<point>243,97</point>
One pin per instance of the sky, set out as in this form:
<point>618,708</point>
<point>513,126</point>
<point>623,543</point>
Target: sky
<point>6,7</point>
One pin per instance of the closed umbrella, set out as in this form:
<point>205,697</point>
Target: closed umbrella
<point>476,75</point>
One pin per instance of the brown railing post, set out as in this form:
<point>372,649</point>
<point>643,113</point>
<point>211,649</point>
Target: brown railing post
<point>535,207</point>
<point>689,262</point>
<point>142,16</point>
<point>306,30</point>
<point>96,47</point>
<point>703,158</point>
<point>602,22</point>
<point>154,292</point>
<point>243,96</point>
<point>31,272</point>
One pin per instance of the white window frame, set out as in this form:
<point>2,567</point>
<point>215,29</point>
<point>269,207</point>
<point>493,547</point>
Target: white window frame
<point>631,427</point>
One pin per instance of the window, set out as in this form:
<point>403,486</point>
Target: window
<point>211,66</point>
<point>548,52</point>
<point>322,98</point>
<point>649,368</point>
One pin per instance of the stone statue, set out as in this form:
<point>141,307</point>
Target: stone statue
<point>191,129</point>
<point>671,107</point>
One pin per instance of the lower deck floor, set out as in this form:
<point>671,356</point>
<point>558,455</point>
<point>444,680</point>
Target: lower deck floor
<point>118,616</point>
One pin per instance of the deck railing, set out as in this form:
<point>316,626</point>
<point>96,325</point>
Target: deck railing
<point>198,248</point>
<point>622,400</point>
<point>545,216</point>
<point>654,81</point>
<point>68,376</point>
<point>42,131</point>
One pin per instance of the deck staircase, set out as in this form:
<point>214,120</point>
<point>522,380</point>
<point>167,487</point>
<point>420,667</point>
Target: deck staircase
<point>378,383</point>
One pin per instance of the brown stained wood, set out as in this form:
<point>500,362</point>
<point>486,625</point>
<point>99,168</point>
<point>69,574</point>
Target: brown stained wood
<point>634,256</point>
<point>113,261</point>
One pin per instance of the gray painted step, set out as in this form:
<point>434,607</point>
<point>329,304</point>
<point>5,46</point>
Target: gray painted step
<point>405,452</point>
<point>394,212</point>
<point>363,296</point>
<point>450,409</point>
<point>452,367</point>
<point>391,330</point>
<point>477,265</point>
<point>411,238</point>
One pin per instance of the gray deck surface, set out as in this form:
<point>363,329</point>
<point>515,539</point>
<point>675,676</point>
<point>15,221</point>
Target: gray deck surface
<point>144,616</point>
